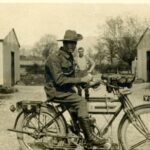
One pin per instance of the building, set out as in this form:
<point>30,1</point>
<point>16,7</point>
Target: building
<point>9,58</point>
<point>143,56</point>
<point>27,62</point>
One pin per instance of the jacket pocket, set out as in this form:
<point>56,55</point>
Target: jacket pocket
<point>67,68</point>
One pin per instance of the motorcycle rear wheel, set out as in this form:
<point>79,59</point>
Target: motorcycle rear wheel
<point>33,122</point>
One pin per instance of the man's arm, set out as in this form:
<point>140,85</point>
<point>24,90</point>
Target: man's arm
<point>59,78</point>
<point>92,63</point>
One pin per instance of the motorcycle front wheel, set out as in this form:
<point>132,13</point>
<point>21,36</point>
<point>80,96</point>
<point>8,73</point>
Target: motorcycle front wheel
<point>38,139</point>
<point>129,135</point>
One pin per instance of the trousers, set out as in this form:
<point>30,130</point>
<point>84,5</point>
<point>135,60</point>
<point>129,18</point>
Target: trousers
<point>73,101</point>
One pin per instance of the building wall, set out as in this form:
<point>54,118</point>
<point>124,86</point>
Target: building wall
<point>142,49</point>
<point>1,63</point>
<point>134,67</point>
<point>142,64</point>
<point>10,45</point>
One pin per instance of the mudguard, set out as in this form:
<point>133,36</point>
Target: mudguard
<point>18,116</point>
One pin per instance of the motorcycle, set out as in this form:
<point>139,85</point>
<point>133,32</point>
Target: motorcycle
<point>43,126</point>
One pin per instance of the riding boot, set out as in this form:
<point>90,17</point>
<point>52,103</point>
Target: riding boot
<point>79,90</point>
<point>87,95</point>
<point>75,127</point>
<point>87,131</point>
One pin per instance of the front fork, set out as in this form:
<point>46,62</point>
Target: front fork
<point>134,118</point>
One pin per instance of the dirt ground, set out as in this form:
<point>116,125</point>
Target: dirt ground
<point>8,140</point>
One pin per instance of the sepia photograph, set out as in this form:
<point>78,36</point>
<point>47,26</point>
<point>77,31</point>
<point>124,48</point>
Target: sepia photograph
<point>74,75</point>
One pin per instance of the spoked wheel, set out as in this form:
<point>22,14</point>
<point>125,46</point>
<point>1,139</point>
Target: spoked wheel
<point>135,135</point>
<point>33,138</point>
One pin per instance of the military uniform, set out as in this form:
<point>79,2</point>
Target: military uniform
<point>60,80</point>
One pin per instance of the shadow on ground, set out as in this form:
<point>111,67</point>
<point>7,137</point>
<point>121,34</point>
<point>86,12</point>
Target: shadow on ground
<point>5,96</point>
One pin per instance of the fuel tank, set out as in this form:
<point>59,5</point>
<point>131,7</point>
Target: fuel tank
<point>103,105</point>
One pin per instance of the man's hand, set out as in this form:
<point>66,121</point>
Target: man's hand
<point>87,79</point>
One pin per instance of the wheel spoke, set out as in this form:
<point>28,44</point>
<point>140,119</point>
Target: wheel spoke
<point>143,125</point>
<point>140,129</point>
<point>32,126</point>
<point>140,126</point>
<point>138,144</point>
<point>40,121</point>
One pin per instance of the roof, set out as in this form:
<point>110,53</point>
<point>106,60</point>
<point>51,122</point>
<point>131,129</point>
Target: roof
<point>16,36</point>
<point>4,32</point>
<point>141,38</point>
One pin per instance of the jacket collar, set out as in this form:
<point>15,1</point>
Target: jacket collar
<point>65,54</point>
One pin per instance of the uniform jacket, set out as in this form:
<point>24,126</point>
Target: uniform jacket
<point>60,74</point>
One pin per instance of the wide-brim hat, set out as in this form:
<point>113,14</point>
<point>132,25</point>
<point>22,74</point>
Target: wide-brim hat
<point>71,35</point>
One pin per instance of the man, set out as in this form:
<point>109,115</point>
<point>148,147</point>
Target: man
<point>85,65</point>
<point>59,75</point>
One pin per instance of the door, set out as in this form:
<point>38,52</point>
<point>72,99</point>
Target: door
<point>12,68</point>
<point>148,66</point>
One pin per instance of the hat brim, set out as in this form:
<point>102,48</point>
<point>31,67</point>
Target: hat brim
<point>79,37</point>
<point>68,40</point>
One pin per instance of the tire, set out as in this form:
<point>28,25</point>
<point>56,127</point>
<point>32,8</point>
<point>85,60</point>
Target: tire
<point>30,123</point>
<point>128,135</point>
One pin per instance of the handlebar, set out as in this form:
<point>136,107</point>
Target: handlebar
<point>112,82</point>
<point>94,84</point>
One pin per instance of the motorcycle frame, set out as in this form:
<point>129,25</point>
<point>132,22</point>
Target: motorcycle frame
<point>126,105</point>
<point>121,99</point>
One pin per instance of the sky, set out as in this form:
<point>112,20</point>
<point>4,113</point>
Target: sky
<point>31,21</point>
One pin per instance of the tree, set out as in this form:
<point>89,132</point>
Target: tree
<point>25,51</point>
<point>120,37</point>
<point>100,54</point>
<point>131,35</point>
<point>45,46</point>
<point>112,30</point>
<point>127,50</point>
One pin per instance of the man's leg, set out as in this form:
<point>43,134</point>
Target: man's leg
<point>74,103</point>
<point>79,90</point>
<point>86,90</point>
<point>80,105</point>
<point>74,121</point>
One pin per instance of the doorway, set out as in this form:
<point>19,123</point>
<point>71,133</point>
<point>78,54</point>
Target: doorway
<point>12,68</point>
<point>148,66</point>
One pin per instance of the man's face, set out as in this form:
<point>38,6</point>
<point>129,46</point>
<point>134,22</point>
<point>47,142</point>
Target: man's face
<point>70,46</point>
<point>81,53</point>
